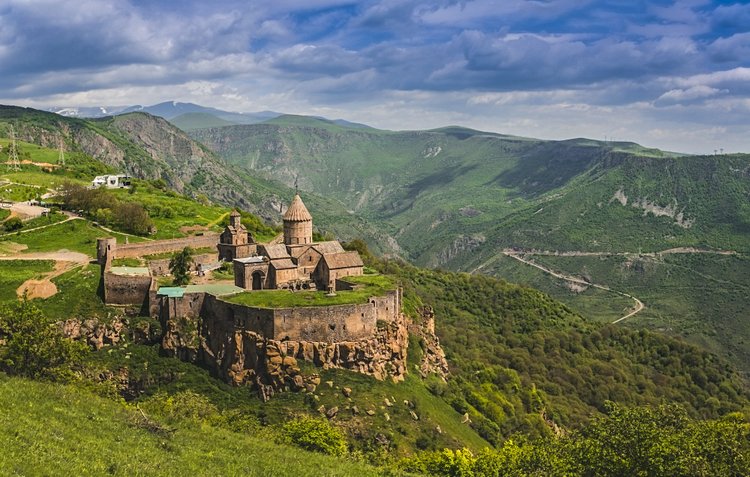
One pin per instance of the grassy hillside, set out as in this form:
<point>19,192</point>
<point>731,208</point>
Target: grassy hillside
<point>455,198</point>
<point>521,359</point>
<point>443,192</point>
<point>71,431</point>
<point>521,362</point>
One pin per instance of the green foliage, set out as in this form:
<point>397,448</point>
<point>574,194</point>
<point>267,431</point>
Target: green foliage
<point>521,359</point>
<point>181,406</point>
<point>315,434</point>
<point>13,224</point>
<point>179,266</point>
<point>31,346</point>
<point>655,441</point>
<point>59,421</point>
<point>102,205</point>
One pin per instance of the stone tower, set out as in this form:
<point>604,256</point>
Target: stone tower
<point>297,223</point>
<point>235,220</point>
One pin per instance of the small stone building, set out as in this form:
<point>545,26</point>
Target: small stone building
<point>236,241</point>
<point>298,262</point>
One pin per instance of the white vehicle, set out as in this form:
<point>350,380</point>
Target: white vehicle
<point>117,181</point>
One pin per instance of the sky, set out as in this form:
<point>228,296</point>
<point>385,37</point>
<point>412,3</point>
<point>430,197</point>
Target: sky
<point>667,74</point>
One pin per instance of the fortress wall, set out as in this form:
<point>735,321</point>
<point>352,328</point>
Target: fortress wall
<point>387,307</point>
<point>238,317</point>
<point>133,250</point>
<point>187,306</point>
<point>159,268</point>
<point>126,290</point>
<point>329,324</point>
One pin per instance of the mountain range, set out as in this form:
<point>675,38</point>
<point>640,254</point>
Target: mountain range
<point>458,198</point>
<point>184,115</point>
<point>601,226</point>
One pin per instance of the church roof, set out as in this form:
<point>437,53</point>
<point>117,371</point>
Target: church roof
<point>328,247</point>
<point>234,213</point>
<point>276,251</point>
<point>342,260</point>
<point>297,212</point>
<point>283,264</point>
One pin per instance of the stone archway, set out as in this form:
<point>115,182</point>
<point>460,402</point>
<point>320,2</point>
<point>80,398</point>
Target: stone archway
<point>257,280</point>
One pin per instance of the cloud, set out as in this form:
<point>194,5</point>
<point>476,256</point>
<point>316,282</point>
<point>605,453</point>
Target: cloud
<point>511,63</point>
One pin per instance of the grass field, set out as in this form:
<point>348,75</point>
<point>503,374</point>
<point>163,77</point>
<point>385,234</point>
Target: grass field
<point>20,192</point>
<point>14,272</point>
<point>38,178</point>
<point>168,375</point>
<point>372,285</point>
<point>75,235</point>
<point>30,151</point>
<point>49,429</point>
<point>76,296</point>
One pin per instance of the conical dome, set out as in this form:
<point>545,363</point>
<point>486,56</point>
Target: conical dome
<point>297,212</point>
<point>297,223</point>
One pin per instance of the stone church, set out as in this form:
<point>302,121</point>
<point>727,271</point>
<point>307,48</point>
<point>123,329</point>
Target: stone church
<point>298,263</point>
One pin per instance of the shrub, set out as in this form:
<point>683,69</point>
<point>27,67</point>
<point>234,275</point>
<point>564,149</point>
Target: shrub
<point>184,405</point>
<point>31,346</point>
<point>12,224</point>
<point>315,434</point>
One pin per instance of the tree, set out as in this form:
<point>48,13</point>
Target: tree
<point>12,224</point>
<point>32,346</point>
<point>133,218</point>
<point>180,265</point>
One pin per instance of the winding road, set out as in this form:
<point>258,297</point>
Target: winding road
<point>521,255</point>
<point>569,278</point>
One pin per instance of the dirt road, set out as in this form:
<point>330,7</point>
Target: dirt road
<point>44,287</point>
<point>638,303</point>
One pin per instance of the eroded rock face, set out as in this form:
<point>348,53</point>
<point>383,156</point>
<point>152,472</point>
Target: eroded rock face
<point>246,358</point>
<point>433,357</point>
<point>98,334</point>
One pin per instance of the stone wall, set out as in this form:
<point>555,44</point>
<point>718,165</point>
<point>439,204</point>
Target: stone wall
<point>261,347</point>
<point>135,250</point>
<point>328,324</point>
<point>160,267</point>
<point>126,289</point>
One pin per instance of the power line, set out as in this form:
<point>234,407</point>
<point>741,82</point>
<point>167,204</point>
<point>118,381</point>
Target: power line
<point>13,164</point>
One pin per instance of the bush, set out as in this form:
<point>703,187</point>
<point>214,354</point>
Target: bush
<point>315,434</point>
<point>13,224</point>
<point>184,405</point>
<point>31,346</point>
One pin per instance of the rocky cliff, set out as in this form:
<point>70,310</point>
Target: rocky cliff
<point>246,358</point>
<point>146,147</point>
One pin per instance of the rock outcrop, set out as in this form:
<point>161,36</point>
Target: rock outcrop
<point>433,357</point>
<point>98,334</point>
<point>247,358</point>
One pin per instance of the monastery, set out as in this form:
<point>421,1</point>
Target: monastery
<point>298,263</point>
<point>212,325</point>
